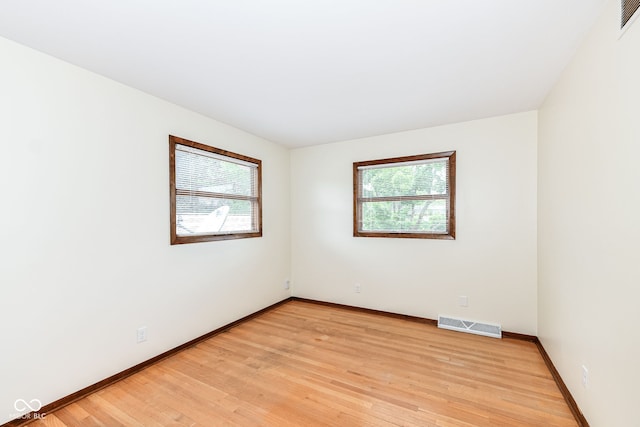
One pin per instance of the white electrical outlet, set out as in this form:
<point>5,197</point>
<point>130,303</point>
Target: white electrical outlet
<point>141,334</point>
<point>585,376</point>
<point>287,284</point>
<point>358,288</point>
<point>463,301</point>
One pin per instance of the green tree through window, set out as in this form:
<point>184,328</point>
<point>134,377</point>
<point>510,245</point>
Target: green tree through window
<point>405,197</point>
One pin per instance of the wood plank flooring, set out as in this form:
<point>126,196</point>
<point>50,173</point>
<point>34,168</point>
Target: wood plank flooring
<point>304,364</point>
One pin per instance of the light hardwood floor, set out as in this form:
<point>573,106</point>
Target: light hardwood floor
<point>304,364</point>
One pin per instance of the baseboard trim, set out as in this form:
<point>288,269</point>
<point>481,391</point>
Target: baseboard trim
<point>521,337</point>
<point>573,406</point>
<point>505,334</point>
<point>368,310</point>
<point>67,400</point>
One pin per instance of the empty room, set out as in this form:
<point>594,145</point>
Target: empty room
<point>340,213</point>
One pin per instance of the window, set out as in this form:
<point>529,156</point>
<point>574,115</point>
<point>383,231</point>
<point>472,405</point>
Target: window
<point>629,11</point>
<point>411,197</point>
<point>215,194</point>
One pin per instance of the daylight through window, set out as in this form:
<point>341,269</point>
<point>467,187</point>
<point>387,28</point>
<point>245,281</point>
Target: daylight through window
<point>405,197</point>
<point>215,194</point>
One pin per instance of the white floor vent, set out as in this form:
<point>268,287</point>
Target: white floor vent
<point>469,326</point>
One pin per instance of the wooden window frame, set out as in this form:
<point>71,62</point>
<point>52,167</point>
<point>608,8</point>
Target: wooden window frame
<point>450,197</point>
<point>177,239</point>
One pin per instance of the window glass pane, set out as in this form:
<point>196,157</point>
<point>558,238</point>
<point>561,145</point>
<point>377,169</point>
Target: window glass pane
<point>205,215</point>
<point>415,216</point>
<point>197,172</point>
<point>429,178</point>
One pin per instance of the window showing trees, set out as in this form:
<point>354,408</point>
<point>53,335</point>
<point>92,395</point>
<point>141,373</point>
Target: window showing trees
<point>215,194</point>
<point>411,197</point>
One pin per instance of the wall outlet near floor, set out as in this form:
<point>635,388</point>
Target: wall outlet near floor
<point>287,284</point>
<point>463,301</point>
<point>585,376</point>
<point>357,288</point>
<point>141,334</point>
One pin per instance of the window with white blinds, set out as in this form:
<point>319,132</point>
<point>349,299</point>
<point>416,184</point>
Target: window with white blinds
<point>411,197</point>
<point>629,10</point>
<point>215,194</point>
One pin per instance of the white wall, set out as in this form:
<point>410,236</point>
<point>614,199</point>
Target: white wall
<point>492,260</point>
<point>84,243</point>
<point>589,200</point>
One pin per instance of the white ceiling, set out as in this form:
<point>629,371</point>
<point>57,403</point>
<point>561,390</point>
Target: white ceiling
<point>304,72</point>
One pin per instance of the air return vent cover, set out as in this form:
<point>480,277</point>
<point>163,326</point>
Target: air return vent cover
<point>469,326</point>
<point>629,9</point>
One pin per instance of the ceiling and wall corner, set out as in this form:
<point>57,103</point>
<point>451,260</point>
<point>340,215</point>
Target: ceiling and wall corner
<point>305,73</point>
